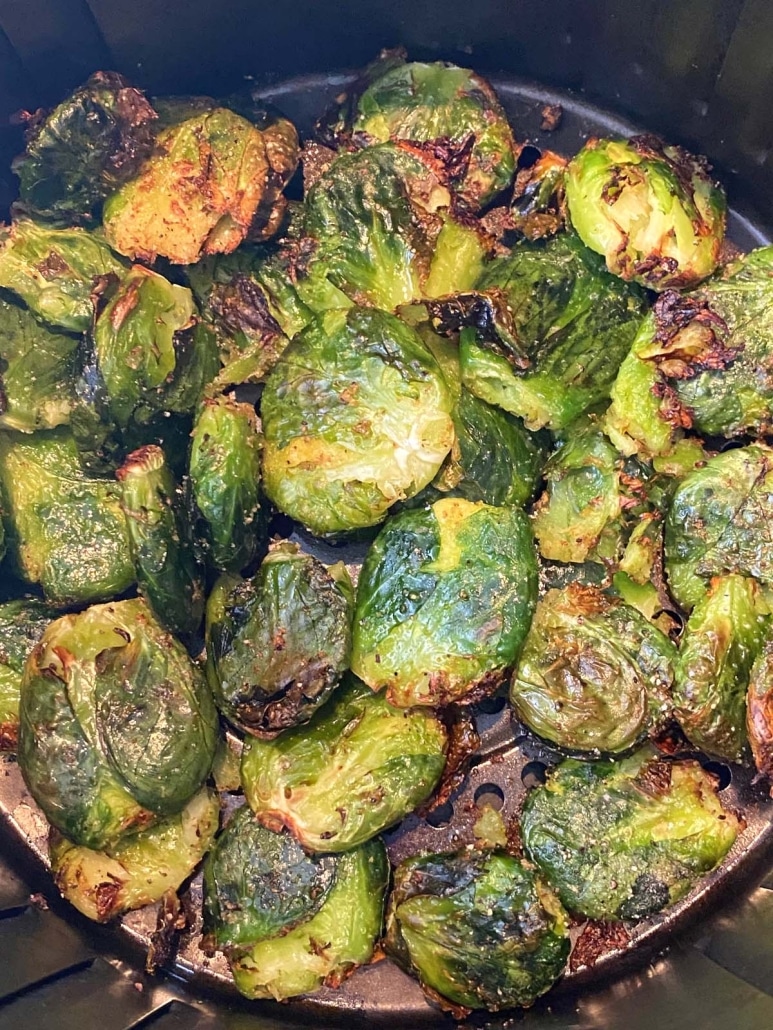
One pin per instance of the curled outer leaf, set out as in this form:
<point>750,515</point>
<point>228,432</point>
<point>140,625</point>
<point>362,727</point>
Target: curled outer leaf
<point>759,710</point>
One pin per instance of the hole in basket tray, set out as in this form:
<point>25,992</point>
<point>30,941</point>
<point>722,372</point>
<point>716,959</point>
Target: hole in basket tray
<point>534,774</point>
<point>441,816</point>
<point>489,794</point>
<point>722,773</point>
<point>492,705</point>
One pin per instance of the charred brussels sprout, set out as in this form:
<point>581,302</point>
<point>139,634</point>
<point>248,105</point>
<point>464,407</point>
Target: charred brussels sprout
<point>624,839</point>
<point>117,724</point>
<point>574,321</point>
<point>451,113</point>
<point>759,710</point>
<point>160,541</point>
<point>38,372</point>
<point>287,921</point>
<point>199,193</point>
<point>383,233</point>
<point>55,271</point>
<point>66,529</point>
<point>651,210</point>
<point>140,868</point>
<point>278,643</point>
<point>81,151</point>
<point>721,641</point>
<point>359,766</point>
<point>225,474</point>
<point>356,415</point>
<point>22,623</point>
<point>713,523</point>
<point>594,674</point>
<point>444,601</point>
<point>478,929</point>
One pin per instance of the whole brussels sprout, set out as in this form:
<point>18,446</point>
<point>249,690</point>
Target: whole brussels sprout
<point>224,471</point>
<point>22,623</point>
<point>382,232</point>
<point>713,523</point>
<point>168,574</point>
<point>199,192</point>
<point>652,210</point>
<point>81,151</point>
<point>66,529</point>
<point>55,271</point>
<point>444,602</point>
<point>479,929</point>
<point>117,724</point>
<point>594,674</point>
<point>38,372</point>
<point>624,839</point>
<point>356,415</point>
<point>356,768</point>
<point>723,637</point>
<point>759,710</point>
<point>574,321</point>
<point>450,113</point>
<point>287,921</point>
<point>138,869</point>
<point>278,644</point>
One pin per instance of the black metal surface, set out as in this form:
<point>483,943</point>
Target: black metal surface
<point>47,968</point>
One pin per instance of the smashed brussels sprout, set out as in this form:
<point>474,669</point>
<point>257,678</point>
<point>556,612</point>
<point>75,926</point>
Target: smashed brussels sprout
<point>117,725</point>
<point>356,416</point>
<point>652,210</point>
<point>444,601</point>
<point>140,868</point>
<point>66,529</point>
<point>714,520</point>
<point>594,674</point>
<point>722,639</point>
<point>77,154</point>
<point>622,840</point>
<point>478,929</point>
<point>278,644</point>
<point>356,768</point>
<point>22,623</point>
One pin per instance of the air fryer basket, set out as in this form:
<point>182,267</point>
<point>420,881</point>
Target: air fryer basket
<point>694,70</point>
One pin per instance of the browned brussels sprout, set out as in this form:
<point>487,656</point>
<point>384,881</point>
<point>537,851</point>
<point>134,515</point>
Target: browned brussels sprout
<point>652,210</point>
<point>624,839</point>
<point>759,711</point>
<point>278,643</point>
<point>83,149</point>
<point>478,929</point>
<point>594,674</point>
<point>22,623</point>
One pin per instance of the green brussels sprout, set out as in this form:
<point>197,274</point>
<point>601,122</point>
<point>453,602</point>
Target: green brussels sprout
<point>139,350</point>
<point>117,725</point>
<point>224,471</point>
<point>199,193</point>
<point>356,768</point>
<point>383,232</point>
<point>289,922</point>
<point>722,639</point>
<point>639,576</point>
<point>759,710</point>
<point>652,210</point>
<point>278,644</point>
<point>594,674</point>
<point>55,271</point>
<point>444,602</point>
<point>479,929</point>
<point>575,322</point>
<point>66,528</point>
<point>624,839</point>
<point>712,349</point>
<point>451,114</point>
<point>160,540</point>
<point>713,523</point>
<point>138,870</point>
<point>38,372</point>
<point>81,151</point>
<point>356,416</point>
<point>22,623</point>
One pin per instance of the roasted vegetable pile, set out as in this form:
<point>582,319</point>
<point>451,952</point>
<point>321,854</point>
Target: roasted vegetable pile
<point>536,392</point>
